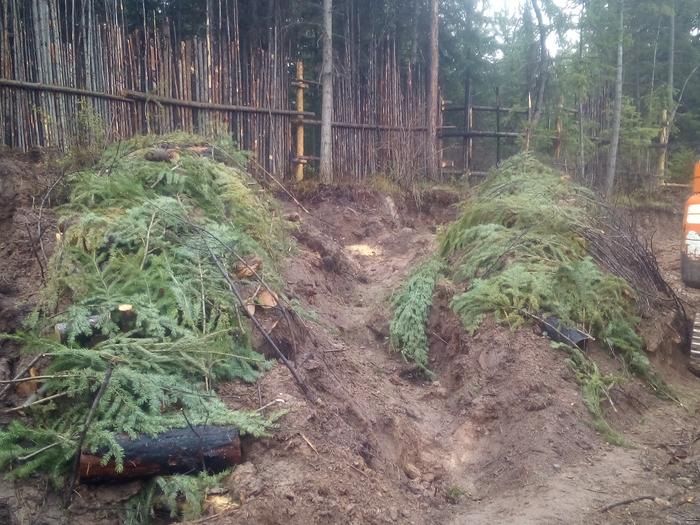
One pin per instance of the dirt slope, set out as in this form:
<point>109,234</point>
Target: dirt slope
<point>501,435</point>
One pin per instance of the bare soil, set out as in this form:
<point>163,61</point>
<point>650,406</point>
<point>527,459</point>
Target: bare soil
<point>500,434</point>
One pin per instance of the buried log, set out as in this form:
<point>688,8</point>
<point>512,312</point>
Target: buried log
<point>177,451</point>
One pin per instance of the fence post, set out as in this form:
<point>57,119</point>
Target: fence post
<point>299,160</point>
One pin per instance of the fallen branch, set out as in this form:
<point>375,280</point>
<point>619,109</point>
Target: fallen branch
<point>266,335</point>
<point>626,502</point>
<point>32,402</point>
<point>81,439</point>
<point>309,443</point>
<point>20,374</point>
<point>281,186</point>
<point>36,253</point>
<point>35,378</point>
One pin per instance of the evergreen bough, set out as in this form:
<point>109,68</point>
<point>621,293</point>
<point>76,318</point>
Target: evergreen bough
<point>411,309</point>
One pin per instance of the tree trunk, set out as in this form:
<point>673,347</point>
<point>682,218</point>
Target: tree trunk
<point>326,166</point>
<point>665,134</point>
<point>177,451</point>
<point>414,35</point>
<point>615,139</point>
<point>431,146</point>
<point>541,77</point>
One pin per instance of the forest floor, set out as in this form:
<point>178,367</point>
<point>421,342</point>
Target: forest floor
<point>501,433</point>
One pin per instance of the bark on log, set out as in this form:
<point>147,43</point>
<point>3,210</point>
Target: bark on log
<point>177,451</point>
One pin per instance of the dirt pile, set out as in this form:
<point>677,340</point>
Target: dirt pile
<point>501,433</point>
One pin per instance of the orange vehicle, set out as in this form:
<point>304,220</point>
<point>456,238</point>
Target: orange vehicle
<point>690,260</point>
<point>690,254</point>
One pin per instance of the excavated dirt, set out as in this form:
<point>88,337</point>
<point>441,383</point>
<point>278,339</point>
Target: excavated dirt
<point>499,435</point>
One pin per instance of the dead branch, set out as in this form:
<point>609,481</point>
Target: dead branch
<point>626,502</point>
<point>81,439</point>
<point>33,402</point>
<point>20,374</point>
<point>36,253</point>
<point>39,226</point>
<point>280,185</point>
<point>266,335</point>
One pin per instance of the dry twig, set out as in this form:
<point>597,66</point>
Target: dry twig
<point>626,502</point>
<point>86,426</point>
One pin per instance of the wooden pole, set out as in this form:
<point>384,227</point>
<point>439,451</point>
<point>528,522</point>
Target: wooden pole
<point>529,122</point>
<point>160,100</point>
<point>465,151</point>
<point>299,164</point>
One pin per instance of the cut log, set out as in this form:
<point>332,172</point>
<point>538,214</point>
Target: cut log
<point>177,451</point>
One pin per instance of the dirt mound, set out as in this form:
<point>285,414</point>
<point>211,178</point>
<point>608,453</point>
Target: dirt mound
<point>383,444</point>
<point>500,434</point>
<point>519,408</point>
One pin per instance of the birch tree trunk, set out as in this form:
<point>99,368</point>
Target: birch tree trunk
<point>431,146</point>
<point>615,139</point>
<point>665,134</point>
<point>326,166</point>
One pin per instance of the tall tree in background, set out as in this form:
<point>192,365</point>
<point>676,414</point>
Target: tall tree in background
<point>326,166</point>
<point>617,110</point>
<point>666,123</point>
<point>541,75</point>
<point>433,168</point>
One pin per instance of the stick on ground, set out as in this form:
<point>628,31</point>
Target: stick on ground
<point>268,338</point>
<point>626,502</point>
<point>81,440</point>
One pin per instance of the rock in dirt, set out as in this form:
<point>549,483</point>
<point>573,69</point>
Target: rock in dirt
<point>393,514</point>
<point>245,482</point>
<point>411,471</point>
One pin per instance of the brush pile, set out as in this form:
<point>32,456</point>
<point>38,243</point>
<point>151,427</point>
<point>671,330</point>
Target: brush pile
<point>139,307</point>
<point>531,245</point>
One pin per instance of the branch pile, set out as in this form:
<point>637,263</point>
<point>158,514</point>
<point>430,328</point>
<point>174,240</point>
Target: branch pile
<point>532,245</point>
<point>141,310</point>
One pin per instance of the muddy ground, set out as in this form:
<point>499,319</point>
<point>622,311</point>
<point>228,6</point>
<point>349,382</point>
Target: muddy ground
<point>500,434</point>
